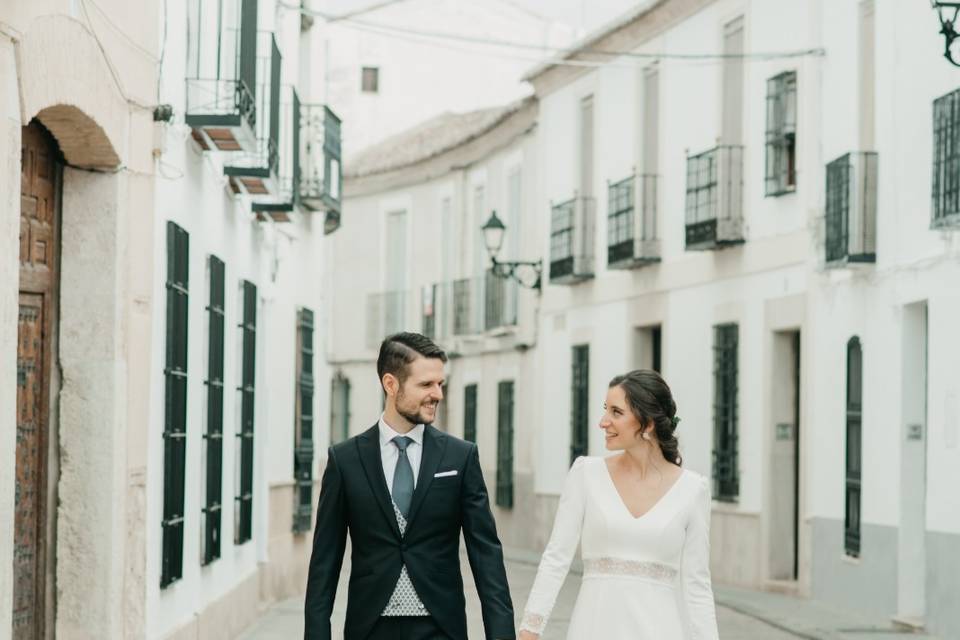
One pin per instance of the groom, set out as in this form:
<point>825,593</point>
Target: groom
<point>404,491</point>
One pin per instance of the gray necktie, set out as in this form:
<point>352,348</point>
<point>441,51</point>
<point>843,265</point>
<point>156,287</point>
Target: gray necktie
<point>403,477</point>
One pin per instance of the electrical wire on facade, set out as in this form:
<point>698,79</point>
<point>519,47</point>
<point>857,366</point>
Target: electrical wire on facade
<point>392,30</point>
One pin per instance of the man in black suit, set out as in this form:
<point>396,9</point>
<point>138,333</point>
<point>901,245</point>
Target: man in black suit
<point>404,490</point>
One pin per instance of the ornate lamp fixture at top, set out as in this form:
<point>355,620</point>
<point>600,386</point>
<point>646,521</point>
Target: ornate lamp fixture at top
<point>493,232</point>
<point>948,27</point>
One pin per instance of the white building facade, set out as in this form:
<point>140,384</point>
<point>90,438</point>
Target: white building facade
<point>771,224</point>
<point>247,188</point>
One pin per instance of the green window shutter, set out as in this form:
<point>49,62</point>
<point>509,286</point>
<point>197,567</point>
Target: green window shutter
<point>580,402</point>
<point>175,405</point>
<point>244,497</point>
<point>303,434</point>
<point>505,444</point>
<point>854,442</point>
<point>212,512</point>
<point>470,412</point>
<point>726,480</point>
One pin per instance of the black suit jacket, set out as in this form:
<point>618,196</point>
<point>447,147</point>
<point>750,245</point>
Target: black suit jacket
<point>354,497</point>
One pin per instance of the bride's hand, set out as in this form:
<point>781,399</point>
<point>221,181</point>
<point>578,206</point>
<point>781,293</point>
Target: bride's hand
<point>526,635</point>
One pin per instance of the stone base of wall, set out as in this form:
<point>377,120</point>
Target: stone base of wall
<point>943,584</point>
<point>226,618</point>
<point>735,548</point>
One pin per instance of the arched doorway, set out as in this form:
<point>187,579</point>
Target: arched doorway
<point>40,180</point>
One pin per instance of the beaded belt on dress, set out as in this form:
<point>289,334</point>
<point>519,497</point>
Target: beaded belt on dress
<point>629,568</point>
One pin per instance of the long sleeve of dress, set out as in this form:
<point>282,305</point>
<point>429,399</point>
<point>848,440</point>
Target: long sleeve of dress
<point>556,559</point>
<point>695,570</point>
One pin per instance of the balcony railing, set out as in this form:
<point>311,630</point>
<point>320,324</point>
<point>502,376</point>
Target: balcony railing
<point>468,306</point>
<point>322,181</point>
<point>714,207</point>
<point>222,73</point>
<point>632,239</point>
<point>279,206</point>
<point>254,172</point>
<point>851,209</point>
<point>571,240</point>
<point>386,315</point>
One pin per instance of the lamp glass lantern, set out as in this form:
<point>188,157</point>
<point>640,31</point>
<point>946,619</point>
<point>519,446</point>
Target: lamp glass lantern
<point>493,231</point>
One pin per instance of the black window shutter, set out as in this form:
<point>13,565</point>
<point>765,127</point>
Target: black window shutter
<point>244,499</point>
<point>303,445</point>
<point>726,480</point>
<point>505,444</point>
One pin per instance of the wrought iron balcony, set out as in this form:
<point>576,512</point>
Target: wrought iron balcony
<point>714,207</point>
<point>468,306</point>
<point>222,73</point>
<point>386,314</point>
<point>322,181</point>
<point>254,172</point>
<point>851,209</point>
<point>571,240</point>
<point>632,239</point>
<point>285,201</point>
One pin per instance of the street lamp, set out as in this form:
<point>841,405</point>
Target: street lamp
<point>948,27</point>
<point>493,232</point>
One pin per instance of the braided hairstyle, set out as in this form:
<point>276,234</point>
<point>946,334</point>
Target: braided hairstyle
<point>651,401</point>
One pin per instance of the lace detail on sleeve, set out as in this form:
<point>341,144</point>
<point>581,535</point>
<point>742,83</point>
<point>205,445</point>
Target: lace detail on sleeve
<point>533,622</point>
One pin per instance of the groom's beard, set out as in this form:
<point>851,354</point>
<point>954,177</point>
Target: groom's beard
<point>415,416</point>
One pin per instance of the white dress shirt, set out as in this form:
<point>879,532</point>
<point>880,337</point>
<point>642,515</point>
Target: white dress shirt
<point>389,454</point>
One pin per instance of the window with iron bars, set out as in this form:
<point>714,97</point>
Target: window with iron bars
<point>340,409</point>
<point>470,413</point>
<point>505,444</point>
<point>213,436</point>
<point>428,310</point>
<point>175,410</point>
<point>851,521</point>
<point>726,480</point>
<point>945,195</point>
<point>303,432</point>
<point>781,173</point>
<point>620,221</point>
<point>561,239</point>
<point>244,498</point>
<point>580,402</point>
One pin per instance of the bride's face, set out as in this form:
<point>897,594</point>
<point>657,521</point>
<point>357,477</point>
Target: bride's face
<point>618,422</point>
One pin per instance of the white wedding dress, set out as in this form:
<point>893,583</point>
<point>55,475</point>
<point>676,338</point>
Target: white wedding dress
<point>645,578</point>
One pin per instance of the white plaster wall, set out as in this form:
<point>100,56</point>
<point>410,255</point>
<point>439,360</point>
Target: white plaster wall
<point>284,261</point>
<point>423,76</point>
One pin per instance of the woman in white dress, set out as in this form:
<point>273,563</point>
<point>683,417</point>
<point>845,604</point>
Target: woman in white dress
<point>643,524</point>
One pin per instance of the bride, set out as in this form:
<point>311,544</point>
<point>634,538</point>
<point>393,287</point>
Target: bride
<point>644,527</point>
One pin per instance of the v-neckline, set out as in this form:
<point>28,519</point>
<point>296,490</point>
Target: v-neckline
<point>619,498</point>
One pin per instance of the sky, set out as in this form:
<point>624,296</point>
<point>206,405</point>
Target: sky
<point>583,15</point>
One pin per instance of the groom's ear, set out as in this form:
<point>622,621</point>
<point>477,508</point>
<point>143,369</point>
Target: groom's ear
<point>390,384</point>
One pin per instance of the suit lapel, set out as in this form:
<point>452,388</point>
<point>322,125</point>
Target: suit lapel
<point>434,442</point>
<point>369,445</point>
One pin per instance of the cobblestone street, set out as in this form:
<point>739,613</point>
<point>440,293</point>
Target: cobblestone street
<point>285,620</point>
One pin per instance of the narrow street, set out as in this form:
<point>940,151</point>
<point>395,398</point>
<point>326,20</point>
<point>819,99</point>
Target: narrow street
<point>284,620</point>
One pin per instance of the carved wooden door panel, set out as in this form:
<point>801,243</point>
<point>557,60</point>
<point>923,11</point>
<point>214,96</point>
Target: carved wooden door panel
<point>39,234</point>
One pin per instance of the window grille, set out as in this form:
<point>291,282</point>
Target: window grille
<point>505,444</point>
<point>946,160</point>
<point>340,409</point>
<point>620,231</point>
<point>851,208</point>
<point>851,521</point>
<point>781,136</point>
<point>303,435</point>
<point>580,402</point>
<point>247,390</point>
<point>470,412</point>
<point>213,436</point>
<point>175,409</point>
<point>726,481</point>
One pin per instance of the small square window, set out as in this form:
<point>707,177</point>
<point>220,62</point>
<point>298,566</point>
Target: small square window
<point>370,80</point>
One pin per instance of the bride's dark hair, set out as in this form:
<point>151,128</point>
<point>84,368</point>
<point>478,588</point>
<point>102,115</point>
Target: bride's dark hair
<point>651,401</point>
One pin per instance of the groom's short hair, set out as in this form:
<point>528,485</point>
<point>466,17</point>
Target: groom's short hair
<point>400,349</point>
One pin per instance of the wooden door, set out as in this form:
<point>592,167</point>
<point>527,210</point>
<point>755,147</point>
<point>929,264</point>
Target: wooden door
<point>39,257</point>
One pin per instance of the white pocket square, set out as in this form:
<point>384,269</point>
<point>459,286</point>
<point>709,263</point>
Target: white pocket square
<point>445,474</point>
